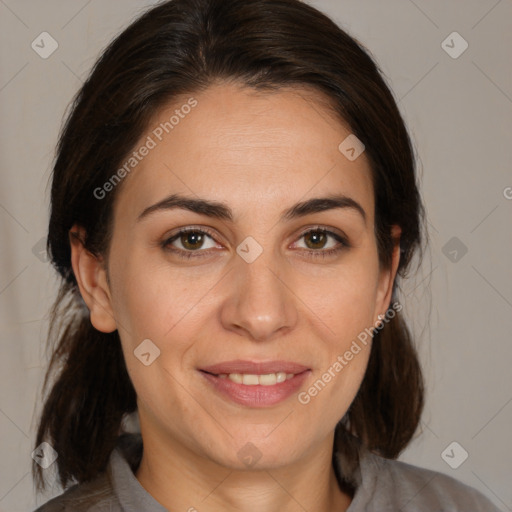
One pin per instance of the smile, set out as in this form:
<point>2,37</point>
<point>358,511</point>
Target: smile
<point>250,379</point>
<point>255,390</point>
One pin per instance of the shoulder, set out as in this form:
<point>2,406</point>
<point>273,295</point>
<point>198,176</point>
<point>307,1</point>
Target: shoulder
<point>94,496</point>
<point>103,493</point>
<point>407,487</point>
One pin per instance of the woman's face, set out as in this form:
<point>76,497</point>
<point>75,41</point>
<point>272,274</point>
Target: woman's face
<point>255,286</point>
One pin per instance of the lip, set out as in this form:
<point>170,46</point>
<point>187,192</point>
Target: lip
<point>256,396</point>
<point>255,367</point>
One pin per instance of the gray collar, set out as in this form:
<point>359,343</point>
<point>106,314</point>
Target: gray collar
<point>126,457</point>
<point>130,493</point>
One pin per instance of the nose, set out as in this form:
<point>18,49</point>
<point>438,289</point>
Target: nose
<point>260,304</point>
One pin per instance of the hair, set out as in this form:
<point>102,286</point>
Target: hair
<point>182,47</point>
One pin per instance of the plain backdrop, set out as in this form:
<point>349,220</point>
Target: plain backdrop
<point>459,111</point>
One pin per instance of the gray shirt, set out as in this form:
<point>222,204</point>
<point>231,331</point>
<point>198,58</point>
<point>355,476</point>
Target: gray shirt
<point>382,485</point>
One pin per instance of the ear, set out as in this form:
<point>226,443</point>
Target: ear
<point>92,281</point>
<point>387,276</point>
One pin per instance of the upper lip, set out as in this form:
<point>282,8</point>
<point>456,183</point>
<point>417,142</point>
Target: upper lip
<point>255,367</point>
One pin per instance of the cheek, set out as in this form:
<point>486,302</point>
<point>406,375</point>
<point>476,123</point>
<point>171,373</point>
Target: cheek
<point>345,299</point>
<point>152,299</point>
<point>347,343</point>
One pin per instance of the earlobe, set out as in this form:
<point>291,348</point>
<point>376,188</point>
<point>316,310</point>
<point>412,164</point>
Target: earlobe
<point>387,277</point>
<point>91,277</point>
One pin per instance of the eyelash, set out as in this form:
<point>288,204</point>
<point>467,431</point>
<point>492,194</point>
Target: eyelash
<point>312,253</point>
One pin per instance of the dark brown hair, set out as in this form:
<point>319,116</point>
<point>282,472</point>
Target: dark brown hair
<point>182,47</point>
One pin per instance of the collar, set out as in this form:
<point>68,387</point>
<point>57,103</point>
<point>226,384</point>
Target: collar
<point>126,457</point>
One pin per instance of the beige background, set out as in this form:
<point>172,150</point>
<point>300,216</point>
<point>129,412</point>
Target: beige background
<point>459,112</point>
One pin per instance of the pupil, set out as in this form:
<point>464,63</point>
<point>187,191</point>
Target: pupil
<point>196,239</point>
<point>319,236</point>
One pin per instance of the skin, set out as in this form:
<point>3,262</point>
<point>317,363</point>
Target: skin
<point>259,154</point>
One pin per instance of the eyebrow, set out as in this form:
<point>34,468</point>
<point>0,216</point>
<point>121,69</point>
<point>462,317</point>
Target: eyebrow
<point>221,211</point>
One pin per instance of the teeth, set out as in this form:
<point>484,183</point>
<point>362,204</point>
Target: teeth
<point>252,380</point>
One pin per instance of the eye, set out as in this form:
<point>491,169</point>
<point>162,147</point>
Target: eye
<point>191,240</point>
<point>317,242</point>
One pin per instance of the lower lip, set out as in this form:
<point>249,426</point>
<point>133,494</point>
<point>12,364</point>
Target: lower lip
<point>258,395</point>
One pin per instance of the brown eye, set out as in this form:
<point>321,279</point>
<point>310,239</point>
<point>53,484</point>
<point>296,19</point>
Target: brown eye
<point>192,240</point>
<point>189,241</point>
<point>317,239</point>
<point>316,242</point>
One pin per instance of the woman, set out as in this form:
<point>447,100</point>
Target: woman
<point>233,202</point>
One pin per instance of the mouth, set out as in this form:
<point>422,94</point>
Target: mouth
<point>245,367</point>
<point>255,384</point>
<point>254,379</point>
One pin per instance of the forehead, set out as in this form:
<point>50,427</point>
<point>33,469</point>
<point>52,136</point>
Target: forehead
<point>246,148</point>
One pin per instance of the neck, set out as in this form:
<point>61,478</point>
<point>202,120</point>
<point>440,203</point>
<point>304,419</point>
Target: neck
<point>180,479</point>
